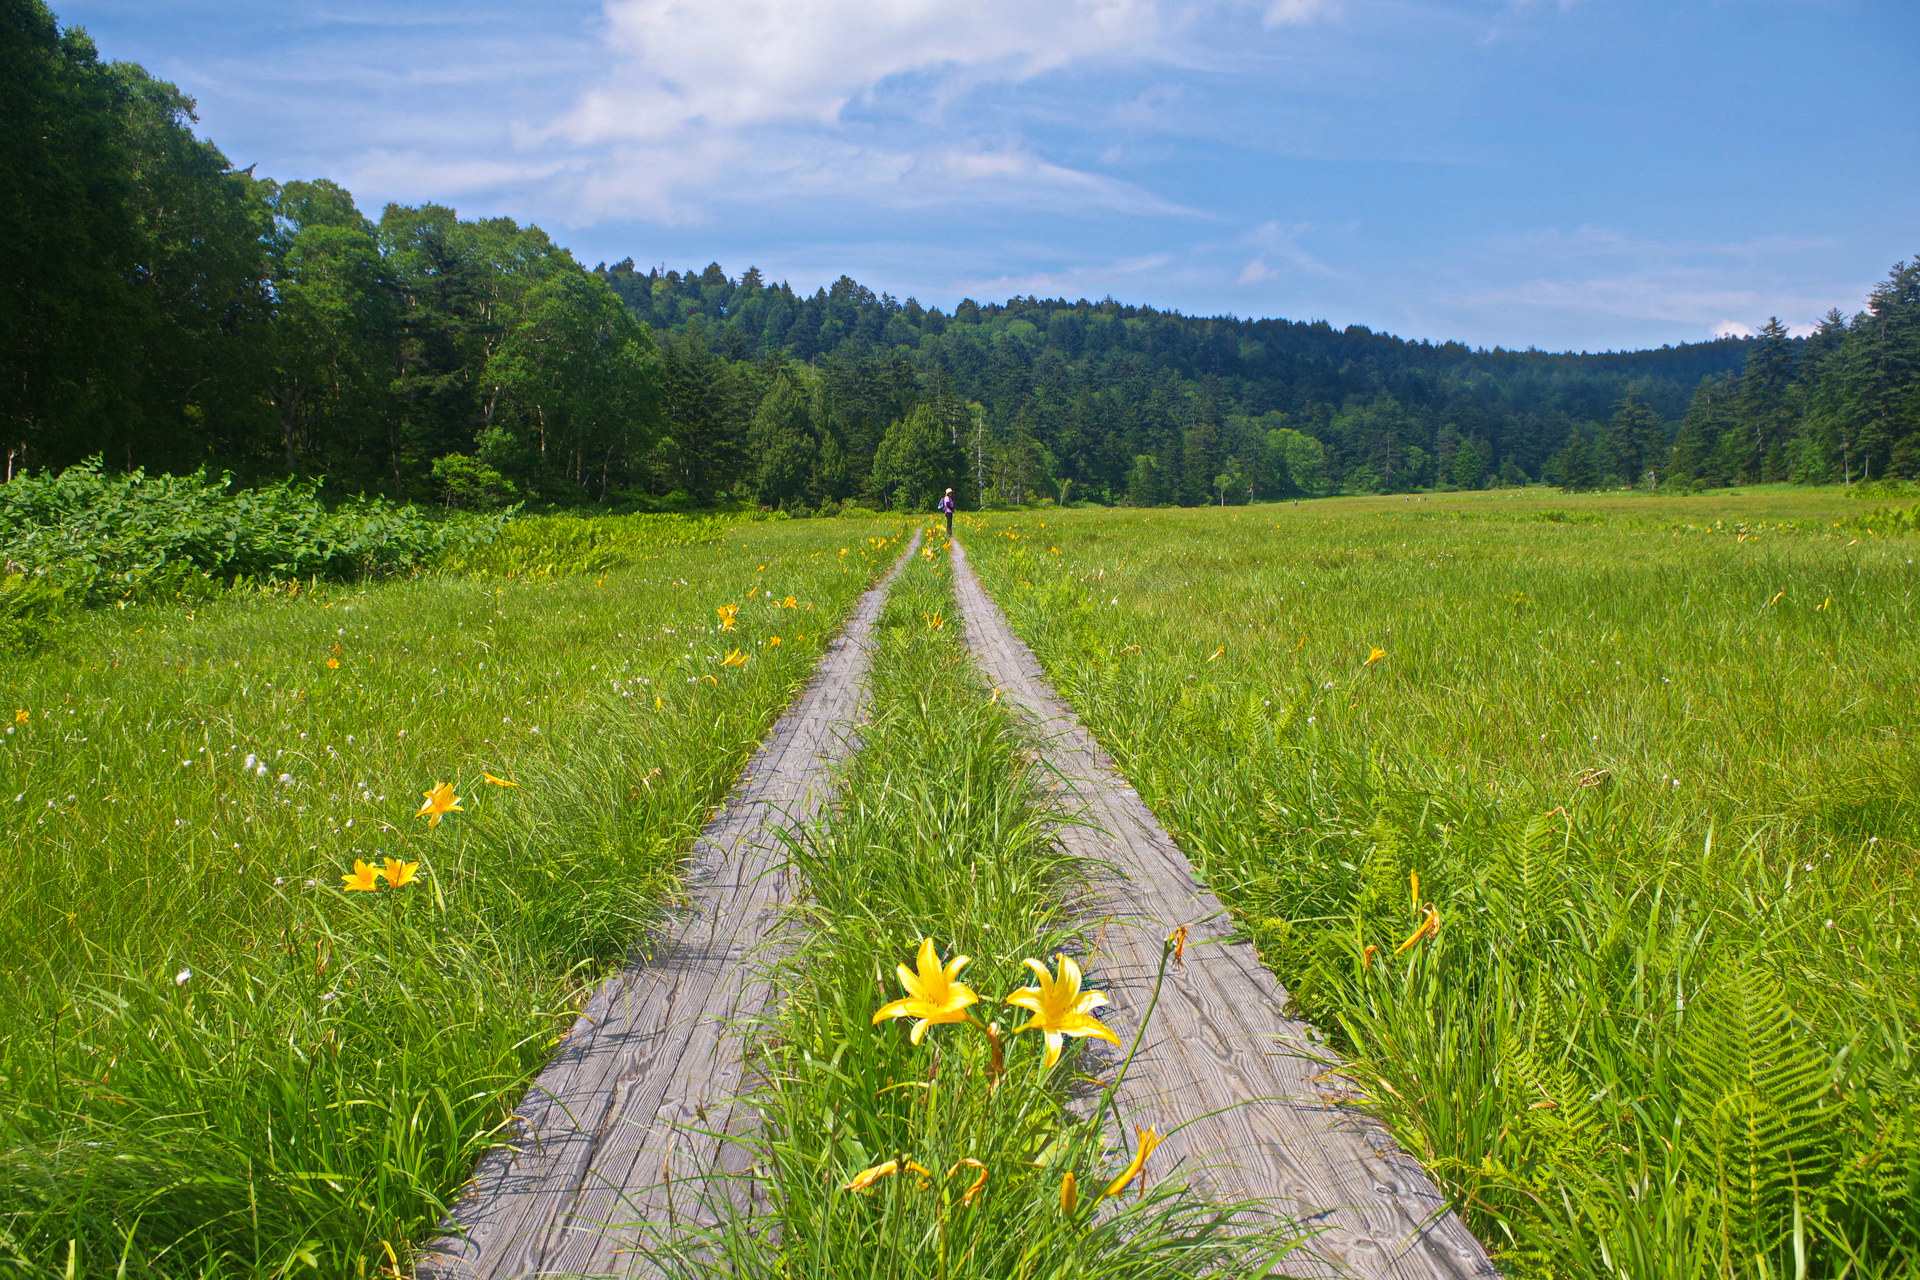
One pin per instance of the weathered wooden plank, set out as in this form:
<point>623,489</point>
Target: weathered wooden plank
<point>1220,1057</point>
<point>622,1120</point>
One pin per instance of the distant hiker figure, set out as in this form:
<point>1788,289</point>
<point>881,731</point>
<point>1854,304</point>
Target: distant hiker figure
<point>946,509</point>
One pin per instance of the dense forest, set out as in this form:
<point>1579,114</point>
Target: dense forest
<point>161,310</point>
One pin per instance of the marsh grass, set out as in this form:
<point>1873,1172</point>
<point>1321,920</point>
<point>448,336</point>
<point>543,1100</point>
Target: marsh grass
<point>1655,764</point>
<point>942,830</point>
<point>215,1062</point>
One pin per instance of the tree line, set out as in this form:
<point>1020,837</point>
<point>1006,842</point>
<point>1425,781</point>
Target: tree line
<point>160,309</point>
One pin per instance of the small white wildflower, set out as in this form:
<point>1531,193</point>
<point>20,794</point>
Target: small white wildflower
<point>261,770</point>
<point>286,779</point>
<point>349,739</point>
<point>183,977</point>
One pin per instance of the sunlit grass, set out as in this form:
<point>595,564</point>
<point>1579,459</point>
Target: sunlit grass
<point>218,1058</point>
<point>1654,762</point>
<point>956,1154</point>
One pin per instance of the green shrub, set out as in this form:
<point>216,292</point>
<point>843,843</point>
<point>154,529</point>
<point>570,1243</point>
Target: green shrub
<point>101,537</point>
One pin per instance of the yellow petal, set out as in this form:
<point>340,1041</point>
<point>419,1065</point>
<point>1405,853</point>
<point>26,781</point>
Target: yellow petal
<point>972,1193</point>
<point>867,1177</point>
<point>1145,1141</point>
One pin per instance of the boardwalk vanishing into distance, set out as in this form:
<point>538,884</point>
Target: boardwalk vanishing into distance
<point>640,1090</point>
<point>637,1104</point>
<point>1234,1081</point>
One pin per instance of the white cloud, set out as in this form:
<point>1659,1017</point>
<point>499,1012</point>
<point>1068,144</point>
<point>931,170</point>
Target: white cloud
<point>763,102</point>
<point>730,64</point>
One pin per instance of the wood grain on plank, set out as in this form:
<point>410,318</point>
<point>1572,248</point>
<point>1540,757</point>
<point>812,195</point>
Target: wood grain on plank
<point>1242,1082</point>
<point>629,1111</point>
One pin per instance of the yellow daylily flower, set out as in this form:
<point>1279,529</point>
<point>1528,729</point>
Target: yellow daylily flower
<point>1375,656</point>
<point>934,621</point>
<point>363,879</point>
<point>333,663</point>
<point>972,1193</point>
<point>21,717</point>
<point>726,612</point>
<point>1060,1008</point>
<point>734,658</point>
<point>400,874</point>
<point>773,642</point>
<point>932,994</point>
<point>1428,927</point>
<point>788,603</point>
<point>492,781</point>
<point>867,1177</point>
<point>1069,1194</point>
<point>1217,652</point>
<point>1145,1140</point>
<point>439,802</point>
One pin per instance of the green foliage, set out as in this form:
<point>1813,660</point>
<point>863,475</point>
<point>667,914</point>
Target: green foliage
<point>1885,521</point>
<point>943,830</point>
<point>161,310</point>
<point>1664,1027</point>
<point>472,484</point>
<point>917,463</point>
<point>568,545</point>
<point>105,537</point>
<point>215,1063</point>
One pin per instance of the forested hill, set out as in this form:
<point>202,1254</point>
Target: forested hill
<point>1083,390</point>
<point>160,309</point>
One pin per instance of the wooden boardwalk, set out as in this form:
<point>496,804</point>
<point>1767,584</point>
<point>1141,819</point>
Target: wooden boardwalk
<point>1220,1057</point>
<point>650,1072</point>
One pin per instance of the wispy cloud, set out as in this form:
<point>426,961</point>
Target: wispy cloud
<point>844,97</point>
<point>1708,287</point>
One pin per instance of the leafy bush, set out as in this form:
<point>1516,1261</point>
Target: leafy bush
<point>99,536</point>
<point>1886,521</point>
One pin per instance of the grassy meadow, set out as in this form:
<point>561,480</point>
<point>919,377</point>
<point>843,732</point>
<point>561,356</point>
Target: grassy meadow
<point>217,1058</point>
<point>895,1154</point>
<point>1587,825</point>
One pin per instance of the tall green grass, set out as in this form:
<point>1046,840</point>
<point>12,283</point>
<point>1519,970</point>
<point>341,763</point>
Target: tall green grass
<point>216,1062</point>
<point>1655,766</point>
<point>943,830</point>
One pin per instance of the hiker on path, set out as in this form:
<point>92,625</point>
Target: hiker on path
<point>946,509</point>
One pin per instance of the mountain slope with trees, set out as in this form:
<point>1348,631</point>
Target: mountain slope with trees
<point>159,309</point>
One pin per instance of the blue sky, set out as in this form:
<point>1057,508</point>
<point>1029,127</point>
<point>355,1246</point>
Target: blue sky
<point>1579,175</point>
